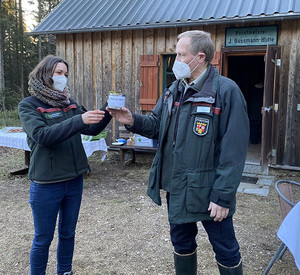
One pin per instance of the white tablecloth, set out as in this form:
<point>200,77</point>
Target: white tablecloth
<point>18,140</point>
<point>288,232</point>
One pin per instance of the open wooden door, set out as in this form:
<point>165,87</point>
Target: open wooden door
<point>270,106</point>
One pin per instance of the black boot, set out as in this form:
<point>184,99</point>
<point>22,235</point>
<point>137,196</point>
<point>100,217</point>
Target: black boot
<point>185,264</point>
<point>232,270</point>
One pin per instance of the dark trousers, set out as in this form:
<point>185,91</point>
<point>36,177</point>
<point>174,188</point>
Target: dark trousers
<point>221,236</point>
<point>47,202</point>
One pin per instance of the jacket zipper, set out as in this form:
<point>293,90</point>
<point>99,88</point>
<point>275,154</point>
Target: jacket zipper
<point>177,117</point>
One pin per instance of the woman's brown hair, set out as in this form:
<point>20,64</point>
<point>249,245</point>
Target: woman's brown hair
<point>44,70</point>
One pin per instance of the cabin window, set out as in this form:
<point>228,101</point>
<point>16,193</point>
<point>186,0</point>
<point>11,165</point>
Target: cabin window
<point>168,75</point>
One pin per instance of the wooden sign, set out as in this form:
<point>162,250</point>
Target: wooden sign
<point>251,36</point>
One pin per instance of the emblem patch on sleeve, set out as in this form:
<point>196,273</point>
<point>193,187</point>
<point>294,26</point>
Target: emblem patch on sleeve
<point>52,115</point>
<point>201,126</point>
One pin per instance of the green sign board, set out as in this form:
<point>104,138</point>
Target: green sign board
<point>251,36</point>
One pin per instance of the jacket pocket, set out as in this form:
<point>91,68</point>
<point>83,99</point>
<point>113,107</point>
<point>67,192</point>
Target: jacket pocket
<point>199,186</point>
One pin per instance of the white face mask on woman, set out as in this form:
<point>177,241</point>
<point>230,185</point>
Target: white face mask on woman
<point>182,70</point>
<point>59,82</point>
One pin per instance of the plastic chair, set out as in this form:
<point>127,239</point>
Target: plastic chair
<point>286,203</point>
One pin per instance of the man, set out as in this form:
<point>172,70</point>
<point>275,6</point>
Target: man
<point>202,127</point>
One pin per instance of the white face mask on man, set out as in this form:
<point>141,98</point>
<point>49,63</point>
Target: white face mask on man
<point>182,70</point>
<point>59,82</point>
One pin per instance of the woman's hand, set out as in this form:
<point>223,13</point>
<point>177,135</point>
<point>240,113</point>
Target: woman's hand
<point>123,115</point>
<point>92,117</point>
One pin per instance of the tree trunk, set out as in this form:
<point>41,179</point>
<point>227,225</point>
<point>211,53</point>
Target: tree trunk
<point>21,49</point>
<point>39,20</point>
<point>17,49</point>
<point>2,84</point>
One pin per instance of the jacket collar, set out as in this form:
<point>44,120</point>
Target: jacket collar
<point>205,89</point>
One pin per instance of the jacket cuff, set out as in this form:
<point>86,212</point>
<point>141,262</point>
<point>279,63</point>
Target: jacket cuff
<point>137,123</point>
<point>103,108</point>
<point>79,122</point>
<point>221,199</point>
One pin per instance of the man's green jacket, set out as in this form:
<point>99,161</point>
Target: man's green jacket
<point>209,147</point>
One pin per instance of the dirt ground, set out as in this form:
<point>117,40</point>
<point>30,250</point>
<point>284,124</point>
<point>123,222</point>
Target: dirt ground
<point>121,232</point>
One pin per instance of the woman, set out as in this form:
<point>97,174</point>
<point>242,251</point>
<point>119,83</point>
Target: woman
<point>54,123</point>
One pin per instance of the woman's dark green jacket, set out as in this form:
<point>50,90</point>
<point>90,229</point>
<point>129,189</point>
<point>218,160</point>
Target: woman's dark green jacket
<point>54,138</point>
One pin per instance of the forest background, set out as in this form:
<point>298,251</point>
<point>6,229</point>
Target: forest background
<point>20,52</point>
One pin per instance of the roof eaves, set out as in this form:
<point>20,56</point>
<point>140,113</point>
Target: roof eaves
<point>210,21</point>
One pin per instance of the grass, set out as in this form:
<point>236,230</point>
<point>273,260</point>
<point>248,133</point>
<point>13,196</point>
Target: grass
<point>9,118</point>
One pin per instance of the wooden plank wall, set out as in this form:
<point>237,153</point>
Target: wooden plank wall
<point>104,61</point>
<point>285,38</point>
<point>290,93</point>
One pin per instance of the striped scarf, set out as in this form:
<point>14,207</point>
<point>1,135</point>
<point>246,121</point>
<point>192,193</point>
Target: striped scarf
<point>46,95</point>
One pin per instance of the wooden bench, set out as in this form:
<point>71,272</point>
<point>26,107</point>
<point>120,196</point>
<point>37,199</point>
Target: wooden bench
<point>132,150</point>
<point>123,133</point>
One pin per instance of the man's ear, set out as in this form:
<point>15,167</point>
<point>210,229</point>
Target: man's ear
<point>202,55</point>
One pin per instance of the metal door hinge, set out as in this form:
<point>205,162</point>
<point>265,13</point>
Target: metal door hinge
<point>278,62</point>
<point>273,152</point>
<point>268,109</point>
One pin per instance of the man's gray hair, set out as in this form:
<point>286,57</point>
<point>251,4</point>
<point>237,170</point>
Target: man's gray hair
<point>200,42</point>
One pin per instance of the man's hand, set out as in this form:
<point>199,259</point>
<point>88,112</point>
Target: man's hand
<point>123,115</point>
<point>218,212</point>
<point>92,117</point>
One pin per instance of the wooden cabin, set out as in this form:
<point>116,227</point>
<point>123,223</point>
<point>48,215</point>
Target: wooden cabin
<point>129,45</point>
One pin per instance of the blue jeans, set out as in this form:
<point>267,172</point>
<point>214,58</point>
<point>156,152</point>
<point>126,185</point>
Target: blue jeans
<point>47,200</point>
<point>221,236</point>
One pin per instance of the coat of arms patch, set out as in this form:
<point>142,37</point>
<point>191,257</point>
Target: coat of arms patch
<point>200,127</point>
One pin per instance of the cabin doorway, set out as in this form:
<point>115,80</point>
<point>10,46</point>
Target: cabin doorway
<point>248,72</point>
